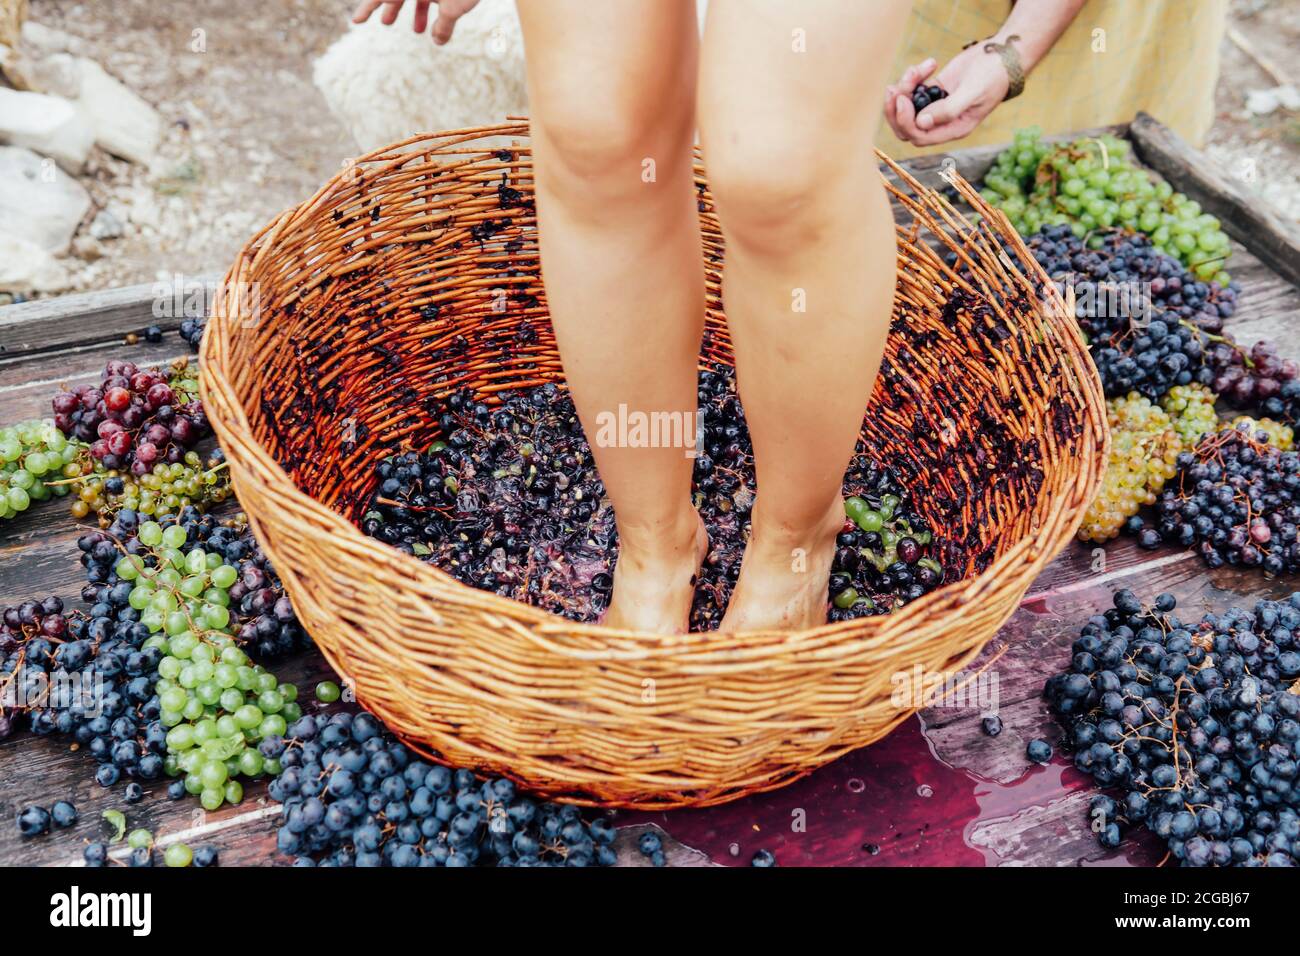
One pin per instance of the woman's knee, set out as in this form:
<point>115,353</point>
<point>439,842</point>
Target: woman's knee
<point>602,149</point>
<point>772,194</point>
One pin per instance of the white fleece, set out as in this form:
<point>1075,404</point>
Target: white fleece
<point>386,83</point>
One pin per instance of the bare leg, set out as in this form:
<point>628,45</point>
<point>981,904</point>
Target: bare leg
<point>612,87</point>
<point>789,100</point>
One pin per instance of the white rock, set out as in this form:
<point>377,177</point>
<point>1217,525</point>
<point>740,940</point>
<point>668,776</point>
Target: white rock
<point>58,73</point>
<point>1261,102</point>
<point>39,202</point>
<point>43,39</point>
<point>124,124</point>
<point>26,267</point>
<point>47,124</point>
<point>1264,102</point>
<point>106,226</point>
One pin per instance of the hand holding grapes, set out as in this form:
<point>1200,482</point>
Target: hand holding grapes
<point>449,11</point>
<point>981,76</point>
<point>976,83</point>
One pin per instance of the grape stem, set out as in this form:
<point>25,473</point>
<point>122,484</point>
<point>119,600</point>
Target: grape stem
<point>1246,359</point>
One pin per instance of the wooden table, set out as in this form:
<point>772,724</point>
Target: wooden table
<point>937,791</point>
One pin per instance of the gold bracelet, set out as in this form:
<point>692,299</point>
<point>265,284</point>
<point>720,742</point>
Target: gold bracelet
<point>1010,61</point>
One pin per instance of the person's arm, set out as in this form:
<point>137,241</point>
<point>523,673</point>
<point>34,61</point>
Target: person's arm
<point>976,80</point>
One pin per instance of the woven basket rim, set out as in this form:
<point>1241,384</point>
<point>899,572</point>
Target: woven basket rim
<point>1022,561</point>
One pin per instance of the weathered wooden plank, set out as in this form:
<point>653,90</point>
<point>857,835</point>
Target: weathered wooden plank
<point>1269,305</point>
<point>1056,833</point>
<point>1245,219</point>
<point>27,385</point>
<point>106,316</point>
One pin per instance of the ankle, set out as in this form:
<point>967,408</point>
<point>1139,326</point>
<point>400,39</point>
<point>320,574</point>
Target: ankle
<point>783,538</point>
<point>668,538</point>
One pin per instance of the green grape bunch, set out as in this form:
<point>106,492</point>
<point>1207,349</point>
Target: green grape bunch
<point>215,703</point>
<point>1092,185</point>
<point>35,458</point>
<point>1191,409</point>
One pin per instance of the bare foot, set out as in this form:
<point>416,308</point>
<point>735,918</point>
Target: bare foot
<point>654,581</point>
<point>783,577</point>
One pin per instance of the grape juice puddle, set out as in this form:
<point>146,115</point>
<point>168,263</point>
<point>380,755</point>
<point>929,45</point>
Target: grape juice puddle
<point>870,808</point>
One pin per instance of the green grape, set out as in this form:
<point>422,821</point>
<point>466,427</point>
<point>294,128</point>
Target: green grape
<point>223,576</point>
<point>214,774</point>
<point>216,616</point>
<point>178,854</point>
<point>251,762</point>
<point>180,737</point>
<point>273,725</point>
<point>248,716</point>
<point>226,725</point>
<point>183,645</point>
<point>204,653</point>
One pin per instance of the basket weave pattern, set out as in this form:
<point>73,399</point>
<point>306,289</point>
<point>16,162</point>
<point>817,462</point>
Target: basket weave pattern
<point>414,272</point>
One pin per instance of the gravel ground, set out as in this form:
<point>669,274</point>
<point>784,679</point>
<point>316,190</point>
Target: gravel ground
<point>248,134</point>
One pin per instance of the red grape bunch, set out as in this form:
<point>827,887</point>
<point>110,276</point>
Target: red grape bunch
<point>1250,380</point>
<point>134,418</point>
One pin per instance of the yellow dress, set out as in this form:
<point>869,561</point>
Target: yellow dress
<point>1116,58</point>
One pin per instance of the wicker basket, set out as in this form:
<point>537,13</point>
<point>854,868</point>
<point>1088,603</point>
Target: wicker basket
<point>410,273</point>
